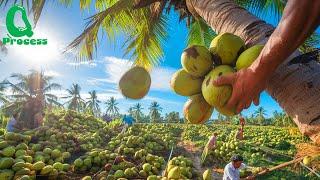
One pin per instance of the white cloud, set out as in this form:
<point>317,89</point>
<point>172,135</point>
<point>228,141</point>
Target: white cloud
<point>52,73</point>
<point>116,67</point>
<point>85,63</point>
<point>160,78</point>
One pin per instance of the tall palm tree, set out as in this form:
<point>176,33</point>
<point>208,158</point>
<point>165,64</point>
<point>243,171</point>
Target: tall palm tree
<point>112,109</point>
<point>260,114</point>
<point>75,101</point>
<point>137,112</point>
<point>144,23</point>
<point>3,98</point>
<point>30,94</point>
<point>155,110</point>
<point>130,111</point>
<point>93,103</point>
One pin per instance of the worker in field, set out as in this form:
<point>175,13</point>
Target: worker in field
<point>210,146</point>
<point>12,124</point>
<point>232,170</point>
<point>242,122</point>
<point>239,134</point>
<point>212,143</point>
<point>128,121</point>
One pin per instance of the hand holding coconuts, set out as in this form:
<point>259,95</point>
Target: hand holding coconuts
<point>213,68</point>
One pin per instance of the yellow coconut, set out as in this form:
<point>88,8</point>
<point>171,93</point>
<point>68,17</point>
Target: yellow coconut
<point>248,56</point>
<point>185,84</point>
<point>135,83</point>
<point>226,48</point>
<point>197,60</point>
<point>196,110</point>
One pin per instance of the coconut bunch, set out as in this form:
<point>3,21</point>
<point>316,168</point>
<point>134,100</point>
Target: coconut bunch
<point>202,66</point>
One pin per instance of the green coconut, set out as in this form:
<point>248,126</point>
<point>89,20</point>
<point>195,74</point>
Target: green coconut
<point>207,174</point>
<point>6,162</point>
<point>217,96</point>
<point>196,110</point>
<point>174,173</point>
<point>248,56</point>
<point>185,84</point>
<point>226,48</point>
<point>135,83</point>
<point>197,60</point>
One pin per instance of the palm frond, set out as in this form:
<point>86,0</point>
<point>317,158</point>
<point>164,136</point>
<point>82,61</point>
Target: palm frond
<point>200,33</point>
<point>273,8</point>
<point>311,43</point>
<point>88,39</point>
<point>52,86</point>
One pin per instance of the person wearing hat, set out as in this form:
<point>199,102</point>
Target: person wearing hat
<point>231,170</point>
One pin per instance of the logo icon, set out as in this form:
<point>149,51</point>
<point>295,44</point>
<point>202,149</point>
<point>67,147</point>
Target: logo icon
<point>17,33</point>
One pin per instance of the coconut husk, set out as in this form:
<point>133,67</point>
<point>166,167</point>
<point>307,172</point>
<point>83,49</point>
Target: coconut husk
<point>307,149</point>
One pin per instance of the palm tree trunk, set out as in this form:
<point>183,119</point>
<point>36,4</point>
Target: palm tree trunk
<point>295,86</point>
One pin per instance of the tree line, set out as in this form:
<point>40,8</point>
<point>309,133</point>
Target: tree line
<point>25,92</point>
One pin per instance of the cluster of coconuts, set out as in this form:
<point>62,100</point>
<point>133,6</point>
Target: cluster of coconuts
<point>202,66</point>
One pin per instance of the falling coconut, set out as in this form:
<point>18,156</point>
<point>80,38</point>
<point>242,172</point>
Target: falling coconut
<point>197,60</point>
<point>135,83</point>
<point>196,110</point>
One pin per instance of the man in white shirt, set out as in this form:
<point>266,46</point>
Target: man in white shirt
<point>231,170</point>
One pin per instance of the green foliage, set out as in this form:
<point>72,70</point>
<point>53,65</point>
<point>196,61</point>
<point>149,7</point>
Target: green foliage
<point>112,107</point>
<point>115,123</point>
<point>75,102</point>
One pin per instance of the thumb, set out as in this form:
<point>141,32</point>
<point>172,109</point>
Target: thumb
<point>224,80</point>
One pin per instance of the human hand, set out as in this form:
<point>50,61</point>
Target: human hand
<point>250,178</point>
<point>246,88</point>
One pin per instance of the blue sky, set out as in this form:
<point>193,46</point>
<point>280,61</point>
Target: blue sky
<point>61,25</point>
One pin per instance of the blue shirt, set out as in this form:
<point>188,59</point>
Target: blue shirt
<point>231,173</point>
<point>128,120</point>
<point>11,123</point>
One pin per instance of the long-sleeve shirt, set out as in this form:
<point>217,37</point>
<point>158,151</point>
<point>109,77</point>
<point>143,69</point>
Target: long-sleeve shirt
<point>11,123</point>
<point>231,173</point>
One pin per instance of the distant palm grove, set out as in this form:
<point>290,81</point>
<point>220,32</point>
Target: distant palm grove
<point>30,93</point>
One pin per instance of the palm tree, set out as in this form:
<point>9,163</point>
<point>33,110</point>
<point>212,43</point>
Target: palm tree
<point>130,111</point>
<point>137,112</point>
<point>260,114</point>
<point>75,101</point>
<point>144,22</point>
<point>112,109</point>
<point>154,113</point>
<point>3,98</point>
<point>93,103</point>
<point>30,95</point>
<point>172,117</point>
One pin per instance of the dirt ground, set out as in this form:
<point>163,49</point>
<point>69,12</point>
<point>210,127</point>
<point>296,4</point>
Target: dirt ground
<point>194,153</point>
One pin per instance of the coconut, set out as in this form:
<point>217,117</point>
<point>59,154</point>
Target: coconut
<point>135,83</point>
<point>196,110</point>
<point>226,48</point>
<point>197,60</point>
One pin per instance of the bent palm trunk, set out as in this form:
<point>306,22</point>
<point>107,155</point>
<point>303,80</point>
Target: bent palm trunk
<point>295,85</point>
